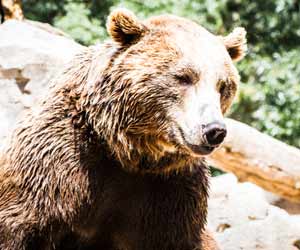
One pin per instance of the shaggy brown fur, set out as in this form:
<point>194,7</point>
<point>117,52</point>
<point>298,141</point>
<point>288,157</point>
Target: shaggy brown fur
<point>91,167</point>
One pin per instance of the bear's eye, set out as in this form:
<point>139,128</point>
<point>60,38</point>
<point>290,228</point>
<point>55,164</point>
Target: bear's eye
<point>184,79</point>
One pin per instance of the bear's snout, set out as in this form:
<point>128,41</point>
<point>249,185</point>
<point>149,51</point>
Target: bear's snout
<point>214,133</point>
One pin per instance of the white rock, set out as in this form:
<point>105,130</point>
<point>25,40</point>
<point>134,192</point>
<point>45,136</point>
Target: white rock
<point>10,104</point>
<point>29,58</point>
<point>242,218</point>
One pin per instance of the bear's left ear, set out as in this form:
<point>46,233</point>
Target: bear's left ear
<point>236,43</point>
<point>124,27</point>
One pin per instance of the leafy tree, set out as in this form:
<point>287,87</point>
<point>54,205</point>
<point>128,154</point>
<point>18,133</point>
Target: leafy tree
<point>43,11</point>
<point>79,24</point>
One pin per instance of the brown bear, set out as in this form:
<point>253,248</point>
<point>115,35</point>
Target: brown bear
<point>113,158</point>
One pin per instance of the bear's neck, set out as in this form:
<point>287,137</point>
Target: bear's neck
<point>145,159</point>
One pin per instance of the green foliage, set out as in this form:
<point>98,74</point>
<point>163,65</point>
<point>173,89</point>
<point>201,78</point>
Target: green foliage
<point>43,11</point>
<point>78,23</point>
<point>269,97</point>
<point>215,171</point>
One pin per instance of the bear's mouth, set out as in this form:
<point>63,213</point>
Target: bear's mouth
<point>201,149</point>
<point>198,150</point>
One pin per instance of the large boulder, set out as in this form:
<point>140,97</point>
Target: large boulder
<point>29,58</point>
<point>243,217</point>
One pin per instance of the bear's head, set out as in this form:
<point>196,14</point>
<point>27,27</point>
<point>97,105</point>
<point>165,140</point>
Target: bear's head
<point>168,85</point>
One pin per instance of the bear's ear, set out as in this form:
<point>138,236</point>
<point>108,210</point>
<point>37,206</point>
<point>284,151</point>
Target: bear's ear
<point>124,27</point>
<point>236,43</point>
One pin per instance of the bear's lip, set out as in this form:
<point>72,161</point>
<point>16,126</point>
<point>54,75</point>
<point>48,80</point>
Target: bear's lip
<point>201,149</point>
<point>198,150</point>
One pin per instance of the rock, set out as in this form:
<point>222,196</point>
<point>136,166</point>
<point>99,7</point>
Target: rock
<point>242,218</point>
<point>29,58</point>
<point>10,104</point>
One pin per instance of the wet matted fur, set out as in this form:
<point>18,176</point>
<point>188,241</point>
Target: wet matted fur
<point>99,164</point>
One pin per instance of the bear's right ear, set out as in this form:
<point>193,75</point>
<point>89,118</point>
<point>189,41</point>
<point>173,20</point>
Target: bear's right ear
<point>236,43</point>
<point>124,27</point>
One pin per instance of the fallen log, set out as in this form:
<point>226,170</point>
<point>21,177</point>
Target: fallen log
<point>261,159</point>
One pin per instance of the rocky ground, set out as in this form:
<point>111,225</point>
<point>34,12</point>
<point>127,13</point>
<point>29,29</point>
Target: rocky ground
<point>245,217</point>
<point>242,215</point>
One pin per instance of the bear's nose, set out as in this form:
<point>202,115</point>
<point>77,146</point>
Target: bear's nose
<point>214,133</point>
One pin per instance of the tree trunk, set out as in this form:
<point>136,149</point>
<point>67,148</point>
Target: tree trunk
<point>261,159</point>
<point>11,9</point>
